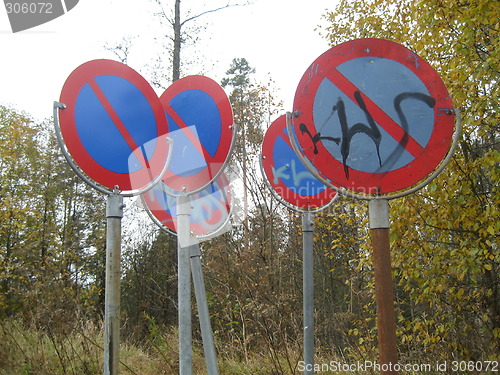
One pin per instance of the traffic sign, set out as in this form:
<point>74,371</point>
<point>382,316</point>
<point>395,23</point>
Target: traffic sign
<point>372,117</point>
<point>210,211</point>
<point>286,174</point>
<point>114,125</point>
<point>201,125</point>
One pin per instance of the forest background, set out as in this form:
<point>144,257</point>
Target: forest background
<point>444,238</point>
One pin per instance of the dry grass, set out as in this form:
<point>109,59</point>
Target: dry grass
<point>26,350</point>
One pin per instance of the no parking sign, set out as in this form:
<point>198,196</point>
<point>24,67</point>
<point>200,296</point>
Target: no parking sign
<point>114,125</point>
<point>373,117</point>
<point>201,124</point>
<point>210,212</point>
<point>286,174</point>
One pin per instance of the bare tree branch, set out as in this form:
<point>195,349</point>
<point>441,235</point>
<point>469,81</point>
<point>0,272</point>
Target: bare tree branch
<point>213,10</point>
<point>122,48</point>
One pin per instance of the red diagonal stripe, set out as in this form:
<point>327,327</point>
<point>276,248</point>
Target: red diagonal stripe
<point>187,131</point>
<point>381,118</point>
<point>117,121</point>
<point>286,138</point>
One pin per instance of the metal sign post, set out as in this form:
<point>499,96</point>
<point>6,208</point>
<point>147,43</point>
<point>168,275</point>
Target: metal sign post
<point>189,262</point>
<point>184,286</point>
<point>209,217</point>
<point>296,188</point>
<point>203,313</point>
<point>114,215</point>
<point>384,294</point>
<point>308,290</point>
<point>201,119</point>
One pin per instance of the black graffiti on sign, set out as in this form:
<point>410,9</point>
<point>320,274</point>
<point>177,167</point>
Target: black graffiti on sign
<point>371,129</point>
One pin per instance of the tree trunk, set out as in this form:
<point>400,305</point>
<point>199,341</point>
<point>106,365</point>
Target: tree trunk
<point>176,57</point>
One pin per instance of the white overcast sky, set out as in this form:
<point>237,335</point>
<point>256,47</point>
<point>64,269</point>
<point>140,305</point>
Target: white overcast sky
<point>277,37</point>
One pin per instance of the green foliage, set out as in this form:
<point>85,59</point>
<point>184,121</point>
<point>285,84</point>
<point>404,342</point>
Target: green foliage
<point>341,286</point>
<point>149,284</point>
<point>49,234</point>
<point>238,74</point>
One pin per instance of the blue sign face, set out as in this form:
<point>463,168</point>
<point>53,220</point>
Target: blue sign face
<point>114,125</point>
<point>374,151</point>
<point>286,174</point>
<point>194,107</point>
<point>289,170</point>
<point>133,110</point>
<point>201,127</point>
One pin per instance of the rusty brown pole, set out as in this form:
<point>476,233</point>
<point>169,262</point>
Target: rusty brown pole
<point>384,293</point>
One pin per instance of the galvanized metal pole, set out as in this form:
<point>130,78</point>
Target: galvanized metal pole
<point>114,215</point>
<point>308,290</point>
<point>203,313</point>
<point>184,285</point>
<point>384,293</point>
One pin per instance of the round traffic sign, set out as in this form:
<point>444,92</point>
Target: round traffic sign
<point>286,174</point>
<point>372,117</point>
<point>200,118</point>
<point>210,211</point>
<point>114,125</point>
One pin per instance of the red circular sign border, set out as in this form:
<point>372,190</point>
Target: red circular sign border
<point>69,94</point>
<point>170,221</point>
<point>217,93</point>
<point>277,127</point>
<point>373,183</point>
